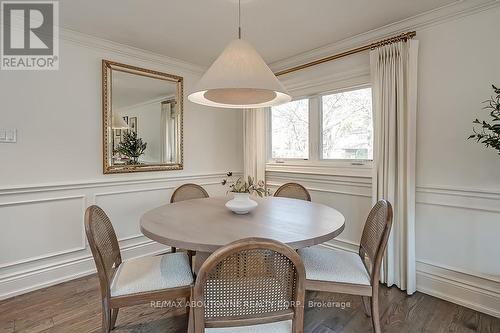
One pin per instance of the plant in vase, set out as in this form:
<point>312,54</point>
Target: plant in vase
<point>241,189</point>
<point>132,147</point>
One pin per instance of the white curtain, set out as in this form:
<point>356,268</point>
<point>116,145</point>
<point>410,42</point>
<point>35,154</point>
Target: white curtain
<point>394,84</point>
<point>165,134</point>
<point>168,133</point>
<point>254,142</point>
<point>164,150</point>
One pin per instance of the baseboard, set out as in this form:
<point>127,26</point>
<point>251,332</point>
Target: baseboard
<point>474,291</point>
<point>479,293</point>
<point>45,277</point>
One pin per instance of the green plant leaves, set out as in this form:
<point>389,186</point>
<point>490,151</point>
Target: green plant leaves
<point>131,146</point>
<point>489,133</point>
<point>241,186</point>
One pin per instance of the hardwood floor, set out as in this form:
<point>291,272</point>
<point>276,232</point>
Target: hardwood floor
<point>74,307</point>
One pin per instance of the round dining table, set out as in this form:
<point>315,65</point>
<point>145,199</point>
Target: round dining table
<point>204,225</point>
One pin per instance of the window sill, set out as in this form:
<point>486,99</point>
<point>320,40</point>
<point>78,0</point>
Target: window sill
<point>331,169</point>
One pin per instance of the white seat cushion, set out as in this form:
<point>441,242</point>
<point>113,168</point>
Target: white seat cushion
<point>277,327</point>
<point>323,264</point>
<point>152,273</point>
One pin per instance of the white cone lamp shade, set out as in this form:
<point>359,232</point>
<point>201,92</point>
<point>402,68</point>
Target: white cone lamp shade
<point>118,122</point>
<point>240,79</point>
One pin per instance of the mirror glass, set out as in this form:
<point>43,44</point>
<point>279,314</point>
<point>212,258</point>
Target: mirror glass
<point>144,119</point>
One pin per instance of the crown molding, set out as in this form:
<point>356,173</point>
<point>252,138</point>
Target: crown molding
<point>460,8</point>
<point>89,41</point>
<point>93,42</point>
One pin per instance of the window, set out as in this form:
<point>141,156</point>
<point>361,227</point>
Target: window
<point>290,130</point>
<point>334,129</point>
<point>347,129</point>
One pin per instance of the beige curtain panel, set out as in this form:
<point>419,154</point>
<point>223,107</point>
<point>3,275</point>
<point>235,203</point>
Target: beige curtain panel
<point>394,86</point>
<point>254,142</point>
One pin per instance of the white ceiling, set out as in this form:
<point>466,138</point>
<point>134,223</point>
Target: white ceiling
<point>197,30</point>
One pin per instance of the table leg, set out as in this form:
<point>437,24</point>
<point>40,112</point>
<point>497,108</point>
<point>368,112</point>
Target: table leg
<point>190,327</point>
<point>199,259</point>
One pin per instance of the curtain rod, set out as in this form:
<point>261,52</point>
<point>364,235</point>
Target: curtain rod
<point>403,37</point>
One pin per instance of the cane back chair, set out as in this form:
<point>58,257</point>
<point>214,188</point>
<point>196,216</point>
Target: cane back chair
<point>294,191</point>
<point>252,285</point>
<point>338,271</point>
<point>136,281</point>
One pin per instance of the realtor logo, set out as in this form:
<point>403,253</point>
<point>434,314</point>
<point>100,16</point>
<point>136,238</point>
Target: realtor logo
<point>30,36</point>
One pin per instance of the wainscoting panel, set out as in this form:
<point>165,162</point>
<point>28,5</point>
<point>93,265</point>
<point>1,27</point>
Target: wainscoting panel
<point>125,217</point>
<point>43,240</point>
<point>28,222</point>
<point>460,237</point>
<point>463,226</point>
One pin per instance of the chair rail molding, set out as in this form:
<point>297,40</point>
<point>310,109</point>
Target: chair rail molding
<point>107,182</point>
<point>459,197</point>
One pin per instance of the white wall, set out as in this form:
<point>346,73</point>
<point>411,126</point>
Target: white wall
<point>54,171</point>
<point>458,196</point>
<point>458,181</point>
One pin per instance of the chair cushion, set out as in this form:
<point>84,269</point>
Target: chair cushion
<point>324,264</point>
<point>152,273</point>
<point>277,327</point>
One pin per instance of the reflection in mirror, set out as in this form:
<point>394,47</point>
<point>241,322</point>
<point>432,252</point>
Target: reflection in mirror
<point>144,109</point>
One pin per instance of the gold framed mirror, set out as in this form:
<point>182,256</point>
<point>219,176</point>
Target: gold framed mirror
<point>142,113</point>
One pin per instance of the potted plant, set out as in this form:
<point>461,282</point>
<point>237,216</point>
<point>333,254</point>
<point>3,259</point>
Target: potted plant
<point>241,189</point>
<point>132,147</point>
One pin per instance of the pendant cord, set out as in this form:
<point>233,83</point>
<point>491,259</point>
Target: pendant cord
<point>239,19</point>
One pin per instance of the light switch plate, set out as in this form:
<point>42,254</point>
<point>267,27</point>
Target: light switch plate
<point>8,135</point>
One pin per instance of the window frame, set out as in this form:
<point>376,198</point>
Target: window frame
<point>269,135</point>
<point>316,163</point>
<point>320,128</point>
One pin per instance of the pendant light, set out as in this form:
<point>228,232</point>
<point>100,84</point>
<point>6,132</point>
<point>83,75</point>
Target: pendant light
<point>239,79</point>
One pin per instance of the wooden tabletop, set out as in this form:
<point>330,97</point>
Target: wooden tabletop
<point>206,224</point>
